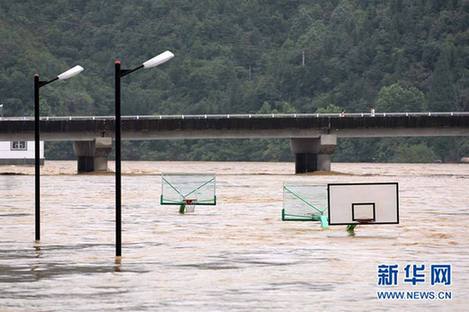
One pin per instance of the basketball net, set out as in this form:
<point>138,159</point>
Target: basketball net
<point>189,205</point>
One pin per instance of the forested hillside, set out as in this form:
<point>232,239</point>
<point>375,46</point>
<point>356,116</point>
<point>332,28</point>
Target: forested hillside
<point>242,56</point>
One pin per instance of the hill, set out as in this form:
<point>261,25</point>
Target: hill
<point>243,57</point>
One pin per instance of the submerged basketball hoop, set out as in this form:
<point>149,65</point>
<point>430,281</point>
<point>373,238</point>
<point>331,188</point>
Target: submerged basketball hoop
<point>353,204</point>
<point>305,203</point>
<point>188,206</point>
<point>188,190</point>
<point>363,203</point>
<point>347,204</point>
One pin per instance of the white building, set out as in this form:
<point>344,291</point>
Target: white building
<point>19,152</point>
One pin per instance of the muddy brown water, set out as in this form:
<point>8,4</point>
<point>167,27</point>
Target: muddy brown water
<point>237,256</point>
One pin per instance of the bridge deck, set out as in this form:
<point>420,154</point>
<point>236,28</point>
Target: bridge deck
<point>79,128</point>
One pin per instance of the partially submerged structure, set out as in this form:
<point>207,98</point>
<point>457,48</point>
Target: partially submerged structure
<point>19,152</point>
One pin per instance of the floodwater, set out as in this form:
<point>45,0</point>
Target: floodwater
<point>237,256</point>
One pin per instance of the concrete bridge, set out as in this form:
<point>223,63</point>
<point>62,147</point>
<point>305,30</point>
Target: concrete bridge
<point>313,137</point>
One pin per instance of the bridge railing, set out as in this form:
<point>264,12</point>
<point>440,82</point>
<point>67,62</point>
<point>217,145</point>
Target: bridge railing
<point>242,116</point>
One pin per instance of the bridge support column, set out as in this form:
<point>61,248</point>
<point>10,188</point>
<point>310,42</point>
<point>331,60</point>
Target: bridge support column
<point>92,155</point>
<point>313,154</point>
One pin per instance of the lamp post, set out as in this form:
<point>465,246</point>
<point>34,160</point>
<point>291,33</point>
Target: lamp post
<point>37,162</point>
<point>119,73</point>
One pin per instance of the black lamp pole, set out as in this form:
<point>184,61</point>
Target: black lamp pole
<point>118,157</point>
<point>119,73</point>
<point>37,160</point>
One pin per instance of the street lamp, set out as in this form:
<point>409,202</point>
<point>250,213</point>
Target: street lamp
<point>119,73</point>
<point>38,84</point>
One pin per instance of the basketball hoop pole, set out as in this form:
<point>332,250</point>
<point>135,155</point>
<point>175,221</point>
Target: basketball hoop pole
<point>351,229</point>
<point>182,208</point>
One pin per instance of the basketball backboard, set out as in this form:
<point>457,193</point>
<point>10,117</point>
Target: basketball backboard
<point>188,189</point>
<point>363,203</point>
<point>303,202</point>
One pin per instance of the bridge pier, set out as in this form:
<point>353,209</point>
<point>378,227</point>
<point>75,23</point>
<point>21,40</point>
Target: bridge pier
<point>313,154</point>
<point>92,155</point>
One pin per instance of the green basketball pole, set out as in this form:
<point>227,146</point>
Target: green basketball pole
<point>324,222</point>
<point>351,229</point>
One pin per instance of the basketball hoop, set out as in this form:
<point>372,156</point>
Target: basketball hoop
<point>188,190</point>
<point>363,203</point>
<point>189,205</point>
<point>362,221</point>
<point>305,202</point>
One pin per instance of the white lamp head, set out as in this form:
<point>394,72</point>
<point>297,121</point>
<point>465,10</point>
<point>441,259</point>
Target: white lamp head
<point>70,73</point>
<point>159,59</point>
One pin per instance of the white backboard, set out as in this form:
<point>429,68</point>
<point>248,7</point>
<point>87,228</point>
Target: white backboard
<point>367,203</point>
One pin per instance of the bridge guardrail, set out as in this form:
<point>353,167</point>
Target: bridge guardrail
<point>241,116</point>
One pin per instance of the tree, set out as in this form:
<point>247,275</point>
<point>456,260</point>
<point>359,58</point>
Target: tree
<point>234,56</point>
<point>442,96</point>
<point>397,98</point>
<point>414,153</point>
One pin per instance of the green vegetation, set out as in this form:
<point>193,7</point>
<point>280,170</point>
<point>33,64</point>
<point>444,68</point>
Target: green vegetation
<point>396,98</point>
<point>243,57</point>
